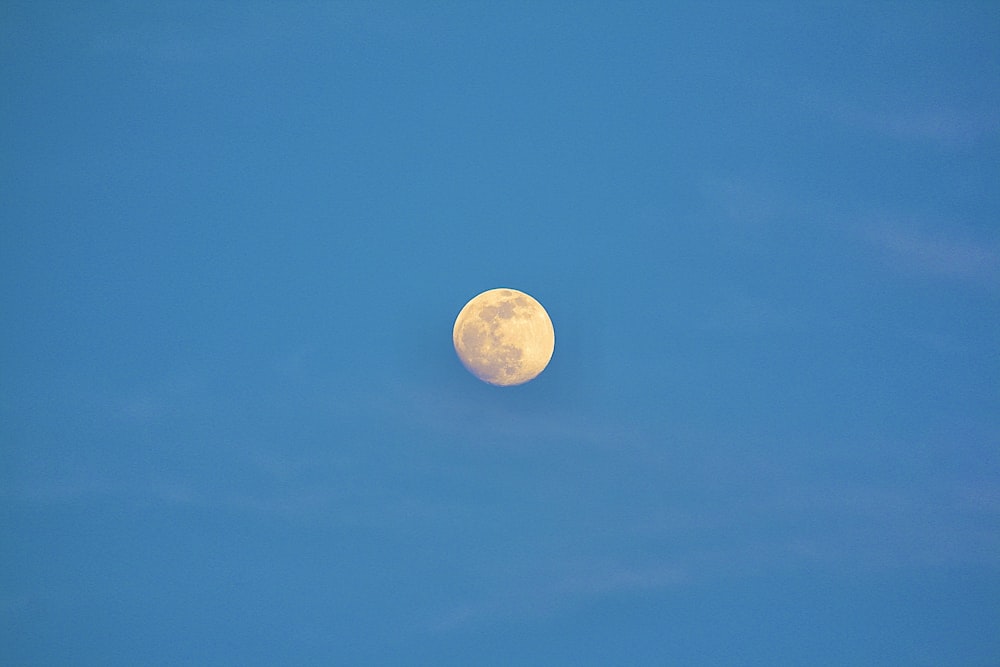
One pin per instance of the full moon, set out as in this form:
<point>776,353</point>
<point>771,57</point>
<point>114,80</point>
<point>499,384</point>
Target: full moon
<point>504,337</point>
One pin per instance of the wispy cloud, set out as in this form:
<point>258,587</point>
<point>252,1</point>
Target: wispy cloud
<point>936,254</point>
<point>548,587</point>
<point>880,529</point>
<point>599,509</point>
<point>942,126</point>
<point>944,122</point>
<point>755,214</point>
<point>758,511</point>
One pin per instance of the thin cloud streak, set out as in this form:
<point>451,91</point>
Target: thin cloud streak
<point>947,128</point>
<point>646,540</point>
<point>937,255</point>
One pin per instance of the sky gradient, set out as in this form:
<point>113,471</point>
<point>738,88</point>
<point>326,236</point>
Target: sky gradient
<point>234,241</point>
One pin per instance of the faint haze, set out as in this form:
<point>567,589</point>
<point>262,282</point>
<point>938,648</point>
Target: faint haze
<point>233,427</point>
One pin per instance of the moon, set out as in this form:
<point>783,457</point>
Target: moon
<point>504,337</point>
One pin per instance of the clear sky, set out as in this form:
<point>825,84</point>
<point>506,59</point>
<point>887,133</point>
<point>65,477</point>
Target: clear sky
<point>235,237</point>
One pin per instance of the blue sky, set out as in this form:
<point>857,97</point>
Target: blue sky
<point>235,236</point>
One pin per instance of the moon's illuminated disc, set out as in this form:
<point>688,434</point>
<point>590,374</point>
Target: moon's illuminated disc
<point>504,337</point>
